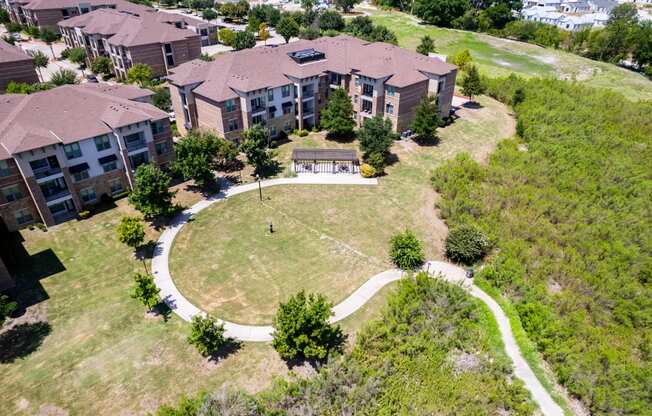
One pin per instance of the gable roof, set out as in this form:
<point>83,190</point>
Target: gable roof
<point>11,53</point>
<point>259,68</point>
<point>65,115</point>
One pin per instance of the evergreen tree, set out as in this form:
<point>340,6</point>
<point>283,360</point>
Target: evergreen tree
<point>376,136</point>
<point>256,147</point>
<point>426,46</point>
<point>206,334</point>
<point>426,119</point>
<point>337,116</point>
<point>472,84</point>
<point>288,28</point>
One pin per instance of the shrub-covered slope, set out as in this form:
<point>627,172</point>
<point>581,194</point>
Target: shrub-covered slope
<point>569,210</point>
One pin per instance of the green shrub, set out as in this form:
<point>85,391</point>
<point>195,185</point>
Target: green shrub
<point>302,133</point>
<point>406,251</point>
<point>206,334</point>
<point>377,161</point>
<point>367,171</point>
<point>84,214</point>
<point>466,244</point>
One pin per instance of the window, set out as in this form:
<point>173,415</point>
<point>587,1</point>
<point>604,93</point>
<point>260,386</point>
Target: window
<point>391,91</point>
<point>285,91</point>
<point>368,90</point>
<point>335,78</point>
<point>233,125</point>
<point>230,105</point>
<point>287,127</point>
<point>287,108</point>
<point>88,195</point>
<point>135,141</point>
<point>183,97</point>
<point>272,131</point>
<point>357,82</point>
<point>72,150</point>
<point>23,216</point>
<point>102,143</point>
<point>257,104</point>
<point>169,59</point>
<point>158,127</point>
<point>366,106</point>
<point>110,166</point>
<point>4,168</point>
<point>116,186</point>
<point>161,148</point>
<point>355,98</point>
<point>168,48</point>
<point>139,159</point>
<point>389,108</point>
<point>270,95</point>
<point>259,119</point>
<point>80,176</point>
<point>12,193</point>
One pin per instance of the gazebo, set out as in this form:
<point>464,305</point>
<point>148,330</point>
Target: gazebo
<point>333,161</point>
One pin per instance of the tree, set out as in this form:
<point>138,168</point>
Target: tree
<point>376,136</point>
<point>308,5</point>
<point>381,33</point>
<point>346,5</point>
<point>145,290</point>
<point>462,59</point>
<point>309,33</point>
<point>426,120</point>
<point>196,157</point>
<point>6,308</point>
<point>48,36</point>
<point>226,36</point>
<point>152,196</point>
<point>243,40</point>
<point>64,76</point>
<point>472,84</point>
<point>337,115</point>
<point>131,232</point>
<point>288,28</point>
<point>263,32</point>
<point>466,244</point>
<point>4,16</point>
<point>440,12</point>
<point>255,147</point>
<point>302,330</point>
<point>235,11</point>
<point>265,13</point>
<point>406,251</point>
<point>426,46</point>
<point>206,334</point>
<point>161,98</point>
<point>209,14</point>
<point>102,65</point>
<point>40,61</point>
<point>360,26</point>
<point>331,20</point>
<point>140,74</point>
<point>77,56</point>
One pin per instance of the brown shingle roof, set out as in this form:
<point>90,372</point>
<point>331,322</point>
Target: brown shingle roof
<point>128,92</point>
<point>259,68</point>
<point>63,4</point>
<point>10,53</point>
<point>66,114</point>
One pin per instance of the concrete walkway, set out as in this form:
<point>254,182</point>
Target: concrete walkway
<point>262,333</point>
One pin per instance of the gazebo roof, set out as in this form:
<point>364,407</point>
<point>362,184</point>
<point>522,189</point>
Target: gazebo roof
<point>324,154</point>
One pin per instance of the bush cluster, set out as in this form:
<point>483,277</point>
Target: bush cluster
<point>466,244</point>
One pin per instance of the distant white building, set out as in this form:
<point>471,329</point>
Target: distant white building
<point>551,16</point>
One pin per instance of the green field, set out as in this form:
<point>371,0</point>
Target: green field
<point>500,57</point>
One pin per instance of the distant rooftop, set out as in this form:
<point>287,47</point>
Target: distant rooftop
<point>11,53</point>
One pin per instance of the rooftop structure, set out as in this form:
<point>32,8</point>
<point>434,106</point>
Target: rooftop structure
<point>15,65</point>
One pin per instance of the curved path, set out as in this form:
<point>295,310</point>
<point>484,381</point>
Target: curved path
<point>263,333</point>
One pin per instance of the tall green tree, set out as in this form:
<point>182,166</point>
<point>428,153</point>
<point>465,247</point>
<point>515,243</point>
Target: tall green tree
<point>49,36</point>
<point>161,98</point>
<point>197,157</point>
<point>78,56</point>
<point>209,14</point>
<point>337,116</point>
<point>206,334</point>
<point>152,195</point>
<point>331,20</point>
<point>302,330</point>
<point>426,120</point>
<point>140,74</point>
<point>346,5</point>
<point>472,84</point>
<point>243,40</point>
<point>406,251</point>
<point>440,12</point>
<point>426,46</point>
<point>131,232</point>
<point>40,61</point>
<point>376,136</point>
<point>145,290</point>
<point>255,146</point>
<point>288,28</point>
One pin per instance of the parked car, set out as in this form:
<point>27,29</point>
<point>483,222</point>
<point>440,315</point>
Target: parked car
<point>17,37</point>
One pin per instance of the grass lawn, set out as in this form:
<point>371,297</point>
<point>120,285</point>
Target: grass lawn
<point>88,348</point>
<point>327,239</point>
<point>500,57</point>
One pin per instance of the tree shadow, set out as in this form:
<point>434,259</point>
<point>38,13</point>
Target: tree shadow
<point>273,168</point>
<point>301,362</point>
<point>22,340</point>
<point>231,347</point>
<point>474,105</point>
<point>340,138</point>
<point>428,141</point>
<point>163,310</point>
<point>391,159</point>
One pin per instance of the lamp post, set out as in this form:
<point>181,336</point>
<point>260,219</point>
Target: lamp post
<point>260,188</point>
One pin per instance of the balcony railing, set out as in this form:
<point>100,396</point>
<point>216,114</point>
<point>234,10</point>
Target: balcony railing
<point>136,144</point>
<point>258,108</point>
<point>51,195</point>
<point>307,94</point>
<point>45,172</point>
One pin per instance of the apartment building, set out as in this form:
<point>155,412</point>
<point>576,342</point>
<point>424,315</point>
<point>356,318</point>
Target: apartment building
<point>61,150</point>
<point>206,30</point>
<point>129,39</point>
<point>285,87</point>
<point>15,65</point>
<point>47,13</point>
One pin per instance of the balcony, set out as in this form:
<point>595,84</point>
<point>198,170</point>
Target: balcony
<point>306,94</point>
<point>367,90</point>
<point>46,172</point>
<point>135,142</point>
<point>52,194</point>
<point>258,109</point>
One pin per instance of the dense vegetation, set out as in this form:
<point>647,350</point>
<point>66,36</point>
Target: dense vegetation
<point>568,209</point>
<point>432,352</point>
